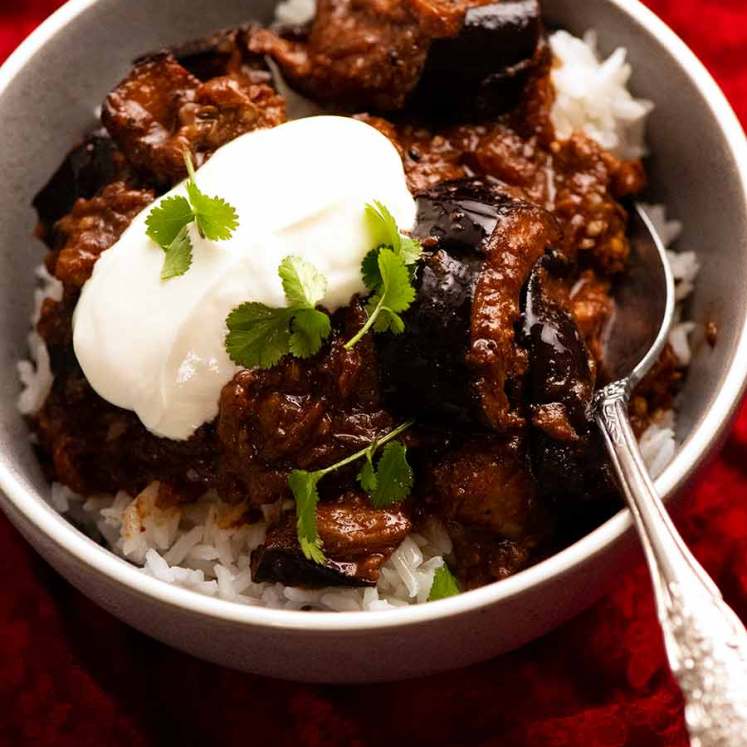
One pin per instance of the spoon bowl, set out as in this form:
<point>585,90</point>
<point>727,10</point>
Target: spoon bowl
<point>706,642</point>
<point>644,306</point>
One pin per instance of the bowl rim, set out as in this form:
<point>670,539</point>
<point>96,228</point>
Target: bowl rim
<point>688,458</point>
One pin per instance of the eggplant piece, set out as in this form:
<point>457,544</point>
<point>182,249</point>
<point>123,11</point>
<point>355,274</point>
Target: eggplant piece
<point>280,560</point>
<point>560,374</point>
<point>457,359</point>
<point>357,539</point>
<point>424,371</point>
<point>221,53</point>
<point>459,215</point>
<point>481,73</point>
<point>209,56</point>
<point>85,171</point>
<point>568,456</point>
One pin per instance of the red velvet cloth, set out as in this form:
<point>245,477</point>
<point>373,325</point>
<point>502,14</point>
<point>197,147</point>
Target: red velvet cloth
<point>70,674</point>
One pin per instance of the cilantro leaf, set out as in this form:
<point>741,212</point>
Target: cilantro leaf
<point>387,271</point>
<point>167,219</point>
<point>394,477</point>
<point>215,218</point>
<point>397,292</point>
<point>394,296</point>
<point>410,250</point>
<point>178,255</point>
<point>304,286</point>
<point>367,476</point>
<point>370,269</point>
<point>303,484</point>
<point>383,226</point>
<point>386,233</point>
<point>387,320</point>
<point>444,584</point>
<point>258,336</point>
<point>309,330</point>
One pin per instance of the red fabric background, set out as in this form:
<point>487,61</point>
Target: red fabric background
<point>72,675</point>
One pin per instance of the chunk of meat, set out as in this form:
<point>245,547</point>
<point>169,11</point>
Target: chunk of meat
<point>95,447</point>
<point>93,226</point>
<point>429,159</point>
<point>522,235</point>
<point>500,151</point>
<point>359,53</point>
<point>160,111</point>
<point>357,540</point>
<point>487,483</point>
<point>300,414</point>
<point>481,558</point>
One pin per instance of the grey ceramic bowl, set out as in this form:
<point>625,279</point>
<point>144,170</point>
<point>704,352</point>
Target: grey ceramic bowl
<point>48,92</point>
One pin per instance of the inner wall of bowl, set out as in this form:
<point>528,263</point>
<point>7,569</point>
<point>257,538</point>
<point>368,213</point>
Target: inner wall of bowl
<point>691,171</point>
<point>50,104</point>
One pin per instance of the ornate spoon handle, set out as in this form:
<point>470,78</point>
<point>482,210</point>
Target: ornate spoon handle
<point>705,641</point>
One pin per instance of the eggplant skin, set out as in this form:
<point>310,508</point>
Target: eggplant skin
<point>560,372</point>
<point>280,559</point>
<point>460,215</point>
<point>85,171</point>
<point>423,371</point>
<point>288,566</point>
<point>481,72</point>
<point>568,456</point>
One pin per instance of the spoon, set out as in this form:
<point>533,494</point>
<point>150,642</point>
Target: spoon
<point>705,641</point>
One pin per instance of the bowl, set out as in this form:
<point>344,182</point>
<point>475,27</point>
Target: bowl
<point>49,90</point>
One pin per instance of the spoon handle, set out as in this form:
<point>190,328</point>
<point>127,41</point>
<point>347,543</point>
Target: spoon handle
<point>705,641</point>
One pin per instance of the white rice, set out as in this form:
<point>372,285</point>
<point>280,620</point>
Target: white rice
<point>592,96</point>
<point>199,547</point>
<point>295,12</point>
<point>35,373</point>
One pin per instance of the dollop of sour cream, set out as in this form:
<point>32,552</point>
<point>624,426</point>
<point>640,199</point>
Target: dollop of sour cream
<point>157,347</point>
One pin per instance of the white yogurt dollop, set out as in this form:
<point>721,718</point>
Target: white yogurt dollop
<point>157,347</point>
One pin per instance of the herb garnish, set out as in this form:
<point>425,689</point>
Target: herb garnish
<point>390,482</point>
<point>168,223</point>
<point>387,273</point>
<point>259,335</point>
<point>444,584</point>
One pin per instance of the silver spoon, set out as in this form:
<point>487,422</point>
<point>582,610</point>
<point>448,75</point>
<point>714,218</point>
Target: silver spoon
<point>705,641</point>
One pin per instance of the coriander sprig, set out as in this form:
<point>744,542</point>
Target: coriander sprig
<point>444,584</point>
<point>168,223</point>
<point>390,482</point>
<point>387,273</point>
<point>259,335</point>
